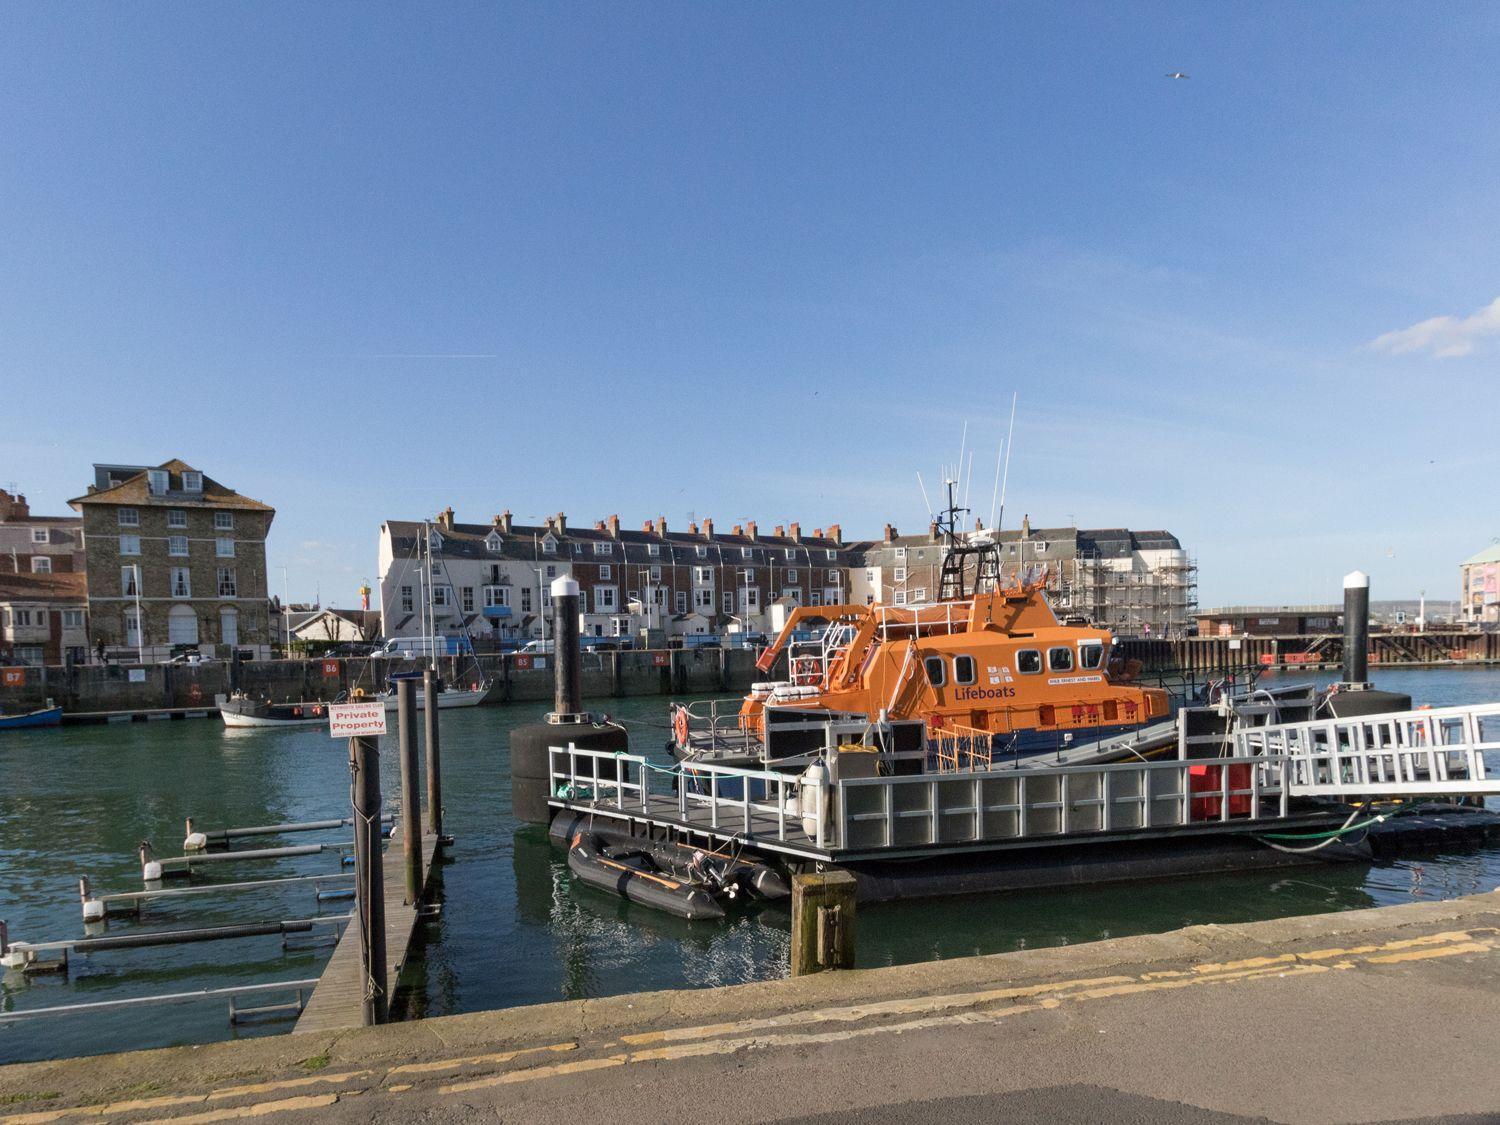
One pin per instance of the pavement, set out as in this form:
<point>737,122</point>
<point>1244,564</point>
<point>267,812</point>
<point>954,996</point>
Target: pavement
<point>1377,1015</point>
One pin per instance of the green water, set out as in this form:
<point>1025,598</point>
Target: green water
<point>513,929</point>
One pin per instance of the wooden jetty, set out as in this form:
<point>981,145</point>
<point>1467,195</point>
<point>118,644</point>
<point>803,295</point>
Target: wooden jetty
<point>338,1000</point>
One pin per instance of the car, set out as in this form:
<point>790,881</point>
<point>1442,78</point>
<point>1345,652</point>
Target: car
<point>192,656</point>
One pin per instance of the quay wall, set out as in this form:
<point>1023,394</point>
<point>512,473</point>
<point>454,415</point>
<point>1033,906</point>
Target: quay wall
<point>1324,650</point>
<point>106,688</point>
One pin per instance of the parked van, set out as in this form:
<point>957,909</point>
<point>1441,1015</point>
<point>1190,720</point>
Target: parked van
<point>418,646</point>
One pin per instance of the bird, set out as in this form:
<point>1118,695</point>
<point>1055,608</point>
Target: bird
<point>1177,74</point>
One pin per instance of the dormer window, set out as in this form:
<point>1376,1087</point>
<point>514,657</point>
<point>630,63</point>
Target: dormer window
<point>157,481</point>
<point>434,541</point>
<point>549,546</point>
<point>653,548</point>
<point>833,554</point>
<point>604,548</point>
<point>192,481</point>
<point>702,552</point>
<point>493,543</point>
<point>791,552</point>
<point>746,552</point>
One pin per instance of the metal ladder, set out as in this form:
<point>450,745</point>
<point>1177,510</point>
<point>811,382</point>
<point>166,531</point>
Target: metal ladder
<point>1424,753</point>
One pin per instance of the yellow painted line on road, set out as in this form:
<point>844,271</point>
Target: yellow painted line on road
<point>476,1060</point>
<point>534,1073</point>
<point>1427,954</point>
<point>260,1109</point>
<point>287,1084</point>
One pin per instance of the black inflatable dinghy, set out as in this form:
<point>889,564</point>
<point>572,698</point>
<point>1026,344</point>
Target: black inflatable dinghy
<point>633,874</point>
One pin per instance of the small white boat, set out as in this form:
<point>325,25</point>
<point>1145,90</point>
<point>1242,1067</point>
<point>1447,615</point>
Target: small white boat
<point>448,697</point>
<point>241,711</point>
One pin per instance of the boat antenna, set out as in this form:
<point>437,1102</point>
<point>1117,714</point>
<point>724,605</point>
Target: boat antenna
<point>958,470</point>
<point>923,487</point>
<point>995,496</point>
<point>969,480</point>
<point>1009,444</point>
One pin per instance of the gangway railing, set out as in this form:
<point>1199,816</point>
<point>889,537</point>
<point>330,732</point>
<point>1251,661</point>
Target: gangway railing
<point>752,805</point>
<point>960,747</point>
<point>1426,752</point>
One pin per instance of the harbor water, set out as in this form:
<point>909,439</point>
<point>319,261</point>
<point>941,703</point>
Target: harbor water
<point>512,930</point>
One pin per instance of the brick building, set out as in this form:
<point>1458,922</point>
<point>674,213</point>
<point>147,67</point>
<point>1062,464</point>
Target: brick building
<point>43,601</point>
<point>175,561</point>
<point>31,544</point>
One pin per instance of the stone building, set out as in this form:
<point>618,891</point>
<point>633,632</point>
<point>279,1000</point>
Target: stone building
<point>175,562</point>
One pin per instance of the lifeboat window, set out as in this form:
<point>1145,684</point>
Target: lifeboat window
<point>1090,656</point>
<point>1028,662</point>
<point>935,674</point>
<point>1060,659</point>
<point>963,670</point>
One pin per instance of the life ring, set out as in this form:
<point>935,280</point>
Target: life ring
<point>680,726</point>
<point>297,712</point>
<point>359,693</point>
<point>317,709</point>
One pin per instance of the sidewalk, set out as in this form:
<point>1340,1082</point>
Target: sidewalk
<point>1374,1015</point>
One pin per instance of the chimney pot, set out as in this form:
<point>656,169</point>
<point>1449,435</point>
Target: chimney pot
<point>614,526</point>
<point>692,529</point>
<point>890,533</point>
<point>560,522</point>
<point>836,533</point>
<point>708,528</point>
<point>750,529</point>
<point>738,530</point>
<point>796,532</point>
<point>661,525</point>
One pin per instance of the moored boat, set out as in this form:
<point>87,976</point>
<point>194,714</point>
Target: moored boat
<point>239,710</point>
<point>49,716</point>
<point>634,875</point>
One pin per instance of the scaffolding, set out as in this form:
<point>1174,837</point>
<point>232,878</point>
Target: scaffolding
<point>1129,595</point>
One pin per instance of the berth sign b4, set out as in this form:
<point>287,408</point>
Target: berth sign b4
<point>356,720</point>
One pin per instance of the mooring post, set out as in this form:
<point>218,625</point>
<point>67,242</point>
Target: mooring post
<point>411,792</point>
<point>822,922</point>
<point>369,876</point>
<point>434,751</point>
<point>567,694</point>
<point>1356,626</point>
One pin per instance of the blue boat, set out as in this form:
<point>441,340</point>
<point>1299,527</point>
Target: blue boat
<point>42,717</point>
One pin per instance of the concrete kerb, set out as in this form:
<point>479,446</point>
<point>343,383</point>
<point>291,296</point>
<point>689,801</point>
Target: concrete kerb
<point>597,1023</point>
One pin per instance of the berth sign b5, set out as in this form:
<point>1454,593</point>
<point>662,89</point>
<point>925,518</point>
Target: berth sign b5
<point>356,720</point>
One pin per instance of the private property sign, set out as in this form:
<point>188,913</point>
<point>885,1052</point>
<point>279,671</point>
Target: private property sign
<point>356,720</point>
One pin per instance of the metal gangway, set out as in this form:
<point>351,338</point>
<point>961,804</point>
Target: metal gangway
<point>1428,752</point>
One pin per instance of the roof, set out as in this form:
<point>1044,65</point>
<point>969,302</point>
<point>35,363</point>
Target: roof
<point>61,586</point>
<point>134,491</point>
<point>1488,555</point>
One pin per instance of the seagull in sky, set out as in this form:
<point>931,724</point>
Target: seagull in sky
<point>1177,74</point>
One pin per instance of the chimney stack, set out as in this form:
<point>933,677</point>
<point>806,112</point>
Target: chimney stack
<point>14,507</point>
<point>932,531</point>
<point>738,530</point>
<point>836,533</point>
<point>445,518</point>
<point>560,523</point>
<point>614,526</point>
<point>817,533</point>
<point>750,530</point>
<point>661,526</point>
<point>692,529</point>
<point>795,532</point>
<point>708,527</point>
<point>504,522</point>
<point>780,532</point>
<point>890,534</point>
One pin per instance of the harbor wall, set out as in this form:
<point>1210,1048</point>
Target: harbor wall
<point>1309,652</point>
<point>102,689</point>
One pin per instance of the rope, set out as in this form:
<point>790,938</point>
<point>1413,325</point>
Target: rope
<point>1326,838</point>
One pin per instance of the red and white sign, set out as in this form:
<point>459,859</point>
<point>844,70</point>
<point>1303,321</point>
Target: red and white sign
<point>523,661</point>
<point>330,667</point>
<point>661,659</point>
<point>13,677</point>
<point>356,720</point>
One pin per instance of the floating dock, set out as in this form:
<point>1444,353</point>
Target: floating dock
<point>337,1002</point>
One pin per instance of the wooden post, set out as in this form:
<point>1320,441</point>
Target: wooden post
<point>411,785</point>
<point>369,875</point>
<point>434,757</point>
<point>822,922</point>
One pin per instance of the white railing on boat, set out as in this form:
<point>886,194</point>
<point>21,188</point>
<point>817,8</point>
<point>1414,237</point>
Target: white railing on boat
<point>1426,752</point>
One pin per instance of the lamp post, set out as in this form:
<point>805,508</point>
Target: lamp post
<point>140,623</point>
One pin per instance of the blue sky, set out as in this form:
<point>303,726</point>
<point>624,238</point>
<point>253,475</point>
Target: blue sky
<point>364,261</point>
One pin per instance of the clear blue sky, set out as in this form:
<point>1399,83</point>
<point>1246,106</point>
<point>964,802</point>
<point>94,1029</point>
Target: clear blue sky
<point>363,261</point>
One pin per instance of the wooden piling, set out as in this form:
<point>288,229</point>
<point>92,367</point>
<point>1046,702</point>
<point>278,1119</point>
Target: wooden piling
<point>411,791</point>
<point>434,756</point>
<point>369,878</point>
<point>822,922</point>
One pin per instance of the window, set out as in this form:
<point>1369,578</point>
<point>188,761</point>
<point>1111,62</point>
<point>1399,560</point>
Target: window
<point>870,576</point>
<point>901,553</point>
<point>681,601</point>
<point>746,553</point>
<point>604,548</point>
<point>604,599</point>
<point>467,599</point>
<point>130,517</point>
<point>192,481</point>
<point>72,618</point>
<point>919,594</point>
<point>406,600</point>
<point>224,547</point>
<point>653,548</point>
<point>621,626</point>
<point>1041,548</point>
<point>900,575</point>
<point>728,601</point>
<point>177,545</point>
<point>130,544</point>
<point>157,481</point>
<point>41,564</point>
<point>182,625</point>
<point>1060,659</point>
<point>899,598</point>
<point>794,593</point>
<point>20,617</point>
<point>182,582</point>
<point>442,597</point>
<point>655,574</point>
<point>493,543</point>
<point>605,572</point>
<point>549,546</point>
<point>751,596</point>
<point>936,671</point>
<point>1029,661</point>
<point>815,598</point>
<point>176,517</point>
<point>128,586</point>
<point>791,552</point>
<point>702,552</point>
<point>704,599</point>
<point>703,576</point>
<point>223,521</point>
<point>791,575</point>
<point>229,626</point>
<point>551,570</point>
<point>964,671</point>
<point>1090,655</point>
<point>228,587</point>
<point>39,535</point>
<point>132,628</point>
<point>525,599</point>
<point>496,595</point>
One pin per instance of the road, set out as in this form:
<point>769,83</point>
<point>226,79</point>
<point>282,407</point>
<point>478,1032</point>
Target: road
<point>1370,1016</point>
